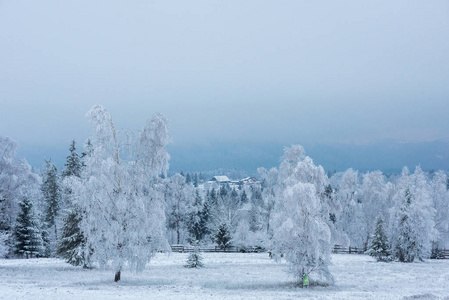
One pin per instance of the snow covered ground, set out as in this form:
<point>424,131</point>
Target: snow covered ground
<point>225,276</point>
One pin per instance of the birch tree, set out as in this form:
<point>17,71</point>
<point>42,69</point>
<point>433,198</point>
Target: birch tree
<point>120,193</point>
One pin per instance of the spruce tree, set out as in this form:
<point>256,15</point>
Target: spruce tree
<point>404,246</point>
<point>194,260</point>
<point>379,247</point>
<point>73,163</point>
<point>223,238</point>
<point>197,220</point>
<point>51,193</point>
<point>72,243</point>
<point>195,180</point>
<point>28,236</point>
<point>243,197</point>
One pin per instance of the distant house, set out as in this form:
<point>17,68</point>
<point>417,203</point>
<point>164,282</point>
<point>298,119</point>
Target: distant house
<point>248,180</point>
<point>220,180</point>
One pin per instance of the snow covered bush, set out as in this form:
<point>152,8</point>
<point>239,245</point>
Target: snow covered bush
<point>195,259</point>
<point>120,193</point>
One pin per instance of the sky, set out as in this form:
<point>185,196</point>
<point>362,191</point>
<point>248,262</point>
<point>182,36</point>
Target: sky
<point>226,73</point>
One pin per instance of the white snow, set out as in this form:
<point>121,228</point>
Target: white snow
<point>225,276</point>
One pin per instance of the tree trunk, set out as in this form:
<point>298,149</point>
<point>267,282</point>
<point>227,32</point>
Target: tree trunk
<point>178,234</point>
<point>117,276</point>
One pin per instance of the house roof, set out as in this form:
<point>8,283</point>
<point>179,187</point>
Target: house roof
<point>221,178</point>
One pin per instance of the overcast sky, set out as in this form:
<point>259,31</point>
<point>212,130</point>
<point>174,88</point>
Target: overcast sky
<point>260,71</point>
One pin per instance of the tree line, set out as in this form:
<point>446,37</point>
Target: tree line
<point>113,206</point>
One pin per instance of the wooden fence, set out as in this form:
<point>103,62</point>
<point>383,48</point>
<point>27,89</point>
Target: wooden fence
<point>231,249</point>
<point>337,249</point>
<point>440,254</point>
<point>347,250</point>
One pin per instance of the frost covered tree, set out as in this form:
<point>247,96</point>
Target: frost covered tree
<point>28,236</point>
<point>51,192</point>
<point>301,233</point>
<point>440,197</point>
<point>412,225</point>
<point>72,241</point>
<point>350,220</point>
<point>72,244</point>
<point>195,259</point>
<point>197,220</point>
<point>178,197</point>
<point>379,246</point>
<point>15,177</point>
<point>121,195</point>
<point>223,236</point>
<point>3,244</point>
<point>373,195</point>
<point>73,162</point>
<point>302,236</point>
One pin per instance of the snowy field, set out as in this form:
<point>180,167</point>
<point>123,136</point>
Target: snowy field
<point>225,276</point>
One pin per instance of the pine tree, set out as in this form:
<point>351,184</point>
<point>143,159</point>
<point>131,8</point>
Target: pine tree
<point>223,238</point>
<point>72,242</point>
<point>195,260</point>
<point>243,197</point>
<point>195,180</point>
<point>28,236</point>
<point>89,148</point>
<point>197,223</point>
<point>379,247</point>
<point>73,163</point>
<point>404,245</point>
<point>188,178</point>
<point>412,226</point>
<point>51,193</point>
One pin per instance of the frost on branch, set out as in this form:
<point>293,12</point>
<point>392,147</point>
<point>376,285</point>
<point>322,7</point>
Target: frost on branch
<point>121,195</point>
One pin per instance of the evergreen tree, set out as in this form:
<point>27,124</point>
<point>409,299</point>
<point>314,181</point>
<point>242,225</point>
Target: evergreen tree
<point>72,242</point>
<point>404,245</point>
<point>197,222</point>
<point>51,193</point>
<point>412,226</point>
<point>89,148</point>
<point>243,197</point>
<point>223,238</point>
<point>28,236</point>
<point>195,180</point>
<point>195,260</point>
<point>188,178</point>
<point>73,163</point>
<point>379,247</point>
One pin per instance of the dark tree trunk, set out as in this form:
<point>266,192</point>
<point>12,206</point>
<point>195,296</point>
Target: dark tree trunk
<point>117,276</point>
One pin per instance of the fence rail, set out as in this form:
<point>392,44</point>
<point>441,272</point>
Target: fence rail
<point>231,249</point>
<point>337,249</point>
